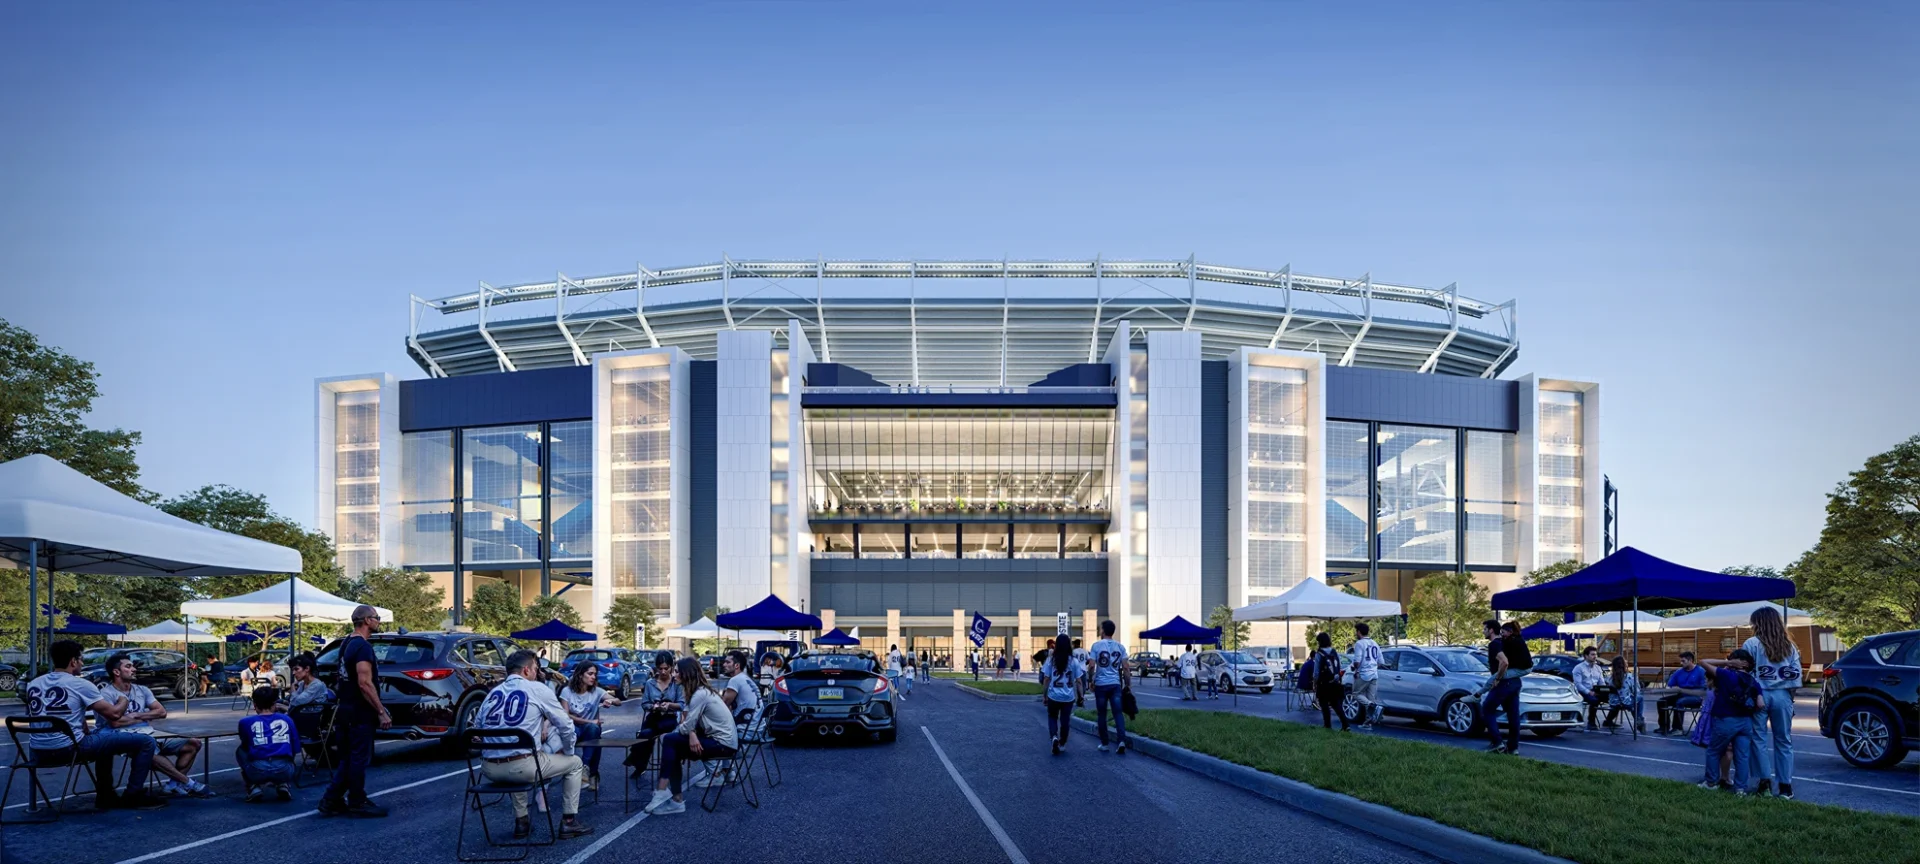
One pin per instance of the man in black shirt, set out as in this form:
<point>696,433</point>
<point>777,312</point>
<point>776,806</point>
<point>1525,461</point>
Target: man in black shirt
<point>359,711</point>
<point>1503,693</point>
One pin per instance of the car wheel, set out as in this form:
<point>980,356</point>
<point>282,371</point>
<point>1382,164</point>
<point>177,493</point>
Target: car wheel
<point>1226,684</point>
<point>469,717</point>
<point>1460,715</point>
<point>620,692</point>
<point>9,681</point>
<point>1548,733</point>
<point>1865,738</point>
<point>1350,708</point>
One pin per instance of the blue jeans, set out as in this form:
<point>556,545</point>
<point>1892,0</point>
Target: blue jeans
<point>1505,696</point>
<point>1735,732</point>
<point>99,747</point>
<point>1103,696</point>
<point>583,733</point>
<point>275,770</point>
<point>1773,760</point>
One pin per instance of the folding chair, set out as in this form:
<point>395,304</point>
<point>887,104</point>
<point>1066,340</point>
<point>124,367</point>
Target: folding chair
<point>24,756</point>
<point>730,770</point>
<point>479,788</point>
<point>314,723</point>
<point>757,736</point>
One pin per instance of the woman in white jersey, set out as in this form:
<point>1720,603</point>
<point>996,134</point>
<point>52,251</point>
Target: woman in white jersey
<point>1776,664</point>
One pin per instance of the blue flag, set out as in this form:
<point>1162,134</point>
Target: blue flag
<point>978,633</point>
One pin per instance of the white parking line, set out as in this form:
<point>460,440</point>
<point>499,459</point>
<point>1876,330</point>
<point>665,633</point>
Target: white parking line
<point>1799,779</point>
<point>284,819</point>
<point>63,798</point>
<point>993,825</point>
<point>609,837</point>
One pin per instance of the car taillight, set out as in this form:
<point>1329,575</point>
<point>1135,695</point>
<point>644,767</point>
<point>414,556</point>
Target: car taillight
<point>780,686</point>
<point>428,674</point>
<point>1829,672</point>
<point>879,686</point>
<point>609,665</point>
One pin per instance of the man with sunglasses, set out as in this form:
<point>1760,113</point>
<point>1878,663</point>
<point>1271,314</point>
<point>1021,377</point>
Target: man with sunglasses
<point>360,710</point>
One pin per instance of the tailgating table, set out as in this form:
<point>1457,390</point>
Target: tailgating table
<point>204,729</point>
<point>624,745</point>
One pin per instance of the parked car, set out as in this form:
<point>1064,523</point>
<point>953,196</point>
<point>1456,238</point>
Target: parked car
<point>1438,684</point>
<point>282,673</point>
<point>9,677</point>
<point>156,670</point>
<point>1147,664</point>
<point>711,663</point>
<point>1232,669</point>
<point>833,693</point>
<point>1557,665</point>
<point>620,668</point>
<point>431,682</point>
<point>1870,700</point>
<point>1279,658</point>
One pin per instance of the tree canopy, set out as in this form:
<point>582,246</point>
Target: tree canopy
<point>410,594</point>
<point>495,608</point>
<point>1447,609</point>
<point>627,613</point>
<point>45,395</point>
<point>1233,634</point>
<point>1863,576</point>
<point>237,511</point>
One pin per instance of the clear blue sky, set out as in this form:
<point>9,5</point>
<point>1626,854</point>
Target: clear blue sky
<point>1711,209</point>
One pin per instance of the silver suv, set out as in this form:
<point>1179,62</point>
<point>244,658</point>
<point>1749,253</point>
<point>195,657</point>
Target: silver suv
<point>1438,684</point>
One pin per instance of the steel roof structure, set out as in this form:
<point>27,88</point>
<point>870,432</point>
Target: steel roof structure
<point>965,323</point>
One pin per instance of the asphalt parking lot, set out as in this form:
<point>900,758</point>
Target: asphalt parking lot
<point>968,781</point>
<point>1821,775</point>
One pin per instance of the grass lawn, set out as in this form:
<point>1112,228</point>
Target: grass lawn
<point>985,675</point>
<point>1577,813</point>
<point>1006,688</point>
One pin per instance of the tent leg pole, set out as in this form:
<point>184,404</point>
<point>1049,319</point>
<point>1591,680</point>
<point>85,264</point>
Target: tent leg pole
<point>1636,664</point>
<point>33,609</point>
<point>186,649</point>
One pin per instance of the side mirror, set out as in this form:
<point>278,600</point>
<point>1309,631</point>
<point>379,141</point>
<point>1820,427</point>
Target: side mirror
<point>1438,673</point>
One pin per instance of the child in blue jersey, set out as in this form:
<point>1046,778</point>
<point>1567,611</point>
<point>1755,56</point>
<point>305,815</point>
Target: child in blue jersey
<point>267,743</point>
<point>1061,676</point>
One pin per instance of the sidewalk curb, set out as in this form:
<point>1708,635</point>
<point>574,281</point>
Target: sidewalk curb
<point>1415,832</point>
<point>994,697</point>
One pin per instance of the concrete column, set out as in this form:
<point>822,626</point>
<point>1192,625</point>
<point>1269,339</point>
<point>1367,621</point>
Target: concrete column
<point>1089,628</point>
<point>826,620</point>
<point>1023,645</point>
<point>961,647</point>
<point>893,628</point>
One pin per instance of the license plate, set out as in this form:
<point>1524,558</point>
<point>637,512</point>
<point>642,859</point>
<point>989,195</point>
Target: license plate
<point>833,693</point>
<point>1550,716</point>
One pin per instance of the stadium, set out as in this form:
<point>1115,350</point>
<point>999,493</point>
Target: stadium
<point>897,445</point>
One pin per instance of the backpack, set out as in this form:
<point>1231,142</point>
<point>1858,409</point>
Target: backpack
<point>1752,700</point>
<point>1325,670</point>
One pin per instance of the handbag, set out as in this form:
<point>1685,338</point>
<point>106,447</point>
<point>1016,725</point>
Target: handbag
<point>1129,705</point>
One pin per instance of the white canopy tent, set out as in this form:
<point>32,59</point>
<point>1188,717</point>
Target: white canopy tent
<point>1617,622</point>
<point>308,604</point>
<point>166,631</point>
<point>1316,600</point>
<point>56,518</point>
<point>1731,616</point>
<point>706,629</point>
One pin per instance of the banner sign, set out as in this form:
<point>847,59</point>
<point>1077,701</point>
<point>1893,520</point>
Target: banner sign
<point>1063,631</point>
<point>978,632</point>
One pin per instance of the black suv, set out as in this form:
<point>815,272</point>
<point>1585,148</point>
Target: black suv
<point>431,682</point>
<point>1147,664</point>
<point>1870,701</point>
<point>1557,665</point>
<point>154,670</point>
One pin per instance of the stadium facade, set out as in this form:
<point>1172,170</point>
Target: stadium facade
<point>896,445</point>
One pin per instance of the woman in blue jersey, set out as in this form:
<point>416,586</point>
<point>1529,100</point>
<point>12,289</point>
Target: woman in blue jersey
<point>1061,677</point>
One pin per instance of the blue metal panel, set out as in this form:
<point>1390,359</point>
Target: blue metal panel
<point>1394,396</point>
<point>703,583</point>
<point>499,399</point>
<point>997,587</point>
<point>1079,375</point>
<point>1213,484</point>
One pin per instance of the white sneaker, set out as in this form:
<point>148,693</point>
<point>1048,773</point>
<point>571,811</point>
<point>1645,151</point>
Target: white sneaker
<point>660,796</point>
<point>669,808</point>
<point>699,778</point>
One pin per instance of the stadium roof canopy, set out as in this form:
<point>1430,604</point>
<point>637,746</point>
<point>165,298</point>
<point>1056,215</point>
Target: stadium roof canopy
<point>963,323</point>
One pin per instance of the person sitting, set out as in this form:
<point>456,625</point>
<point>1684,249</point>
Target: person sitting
<point>741,694</point>
<point>663,700</point>
<point>139,708</point>
<point>62,694</point>
<point>267,742</point>
<point>523,702</point>
<point>707,732</point>
<point>257,674</point>
<point>1625,695</point>
<point>306,689</point>
<point>1689,683</point>
<point>1587,675</point>
<point>584,699</point>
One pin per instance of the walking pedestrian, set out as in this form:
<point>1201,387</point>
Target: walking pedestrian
<point>1366,675</point>
<point>1189,674</point>
<point>1500,693</point>
<point>1000,667</point>
<point>1016,666</point>
<point>907,675</point>
<point>893,672</point>
<point>1326,681</point>
<point>358,714</point>
<point>1063,678</point>
<point>1111,677</point>
<point>1777,667</point>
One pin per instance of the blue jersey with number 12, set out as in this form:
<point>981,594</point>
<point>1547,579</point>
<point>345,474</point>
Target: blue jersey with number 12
<point>268,736</point>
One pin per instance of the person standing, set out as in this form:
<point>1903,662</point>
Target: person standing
<point>1189,674</point>
<point>1736,698</point>
<point>1326,682</point>
<point>1366,675</point>
<point>1502,693</point>
<point>1777,667</point>
<point>523,702</point>
<point>1111,677</point>
<point>359,713</point>
<point>1016,666</point>
<point>1000,667</point>
<point>139,709</point>
<point>1062,678</point>
<point>62,694</point>
<point>893,676</point>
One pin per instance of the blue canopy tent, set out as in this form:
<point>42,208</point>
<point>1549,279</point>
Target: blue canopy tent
<point>79,625</point>
<point>1544,629</point>
<point>1184,632</point>
<point>555,630</point>
<point>1633,580</point>
<point>836,638</point>
<point>769,614</point>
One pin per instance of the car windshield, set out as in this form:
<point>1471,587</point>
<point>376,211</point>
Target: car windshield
<point>849,662</point>
<point>1461,661</point>
<point>402,650</point>
<point>97,655</point>
<point>1238,658</point>
<point>590,655</point>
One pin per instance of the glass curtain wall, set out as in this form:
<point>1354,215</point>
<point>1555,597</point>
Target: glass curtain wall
<point>1036,541</point>
<point>502,520</point>
<point>570,449</point>
<point>1137,407</point>
<point>935,539</point>
<point>642,446</point>
<point>1561,504</point>
<point>426,500</point>
<point>1276,480</point>
<point>1493,497</point>
<point>1349,479</point>
<point>1418,473</point>
<point>356,484</point>
<point>777,524</point>
<point>908,462</point>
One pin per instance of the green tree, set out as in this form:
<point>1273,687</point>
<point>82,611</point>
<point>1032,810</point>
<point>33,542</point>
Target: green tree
<point>1447,609</point>
<point>703,647</point>
<point>629,612</point>
<point>133,601</point>
<point>409,594</point>
<point>237,511</point>
<point>1233,634</point>
<point>495,609</point>
<point>1551,572</point>
<point>1342,632</point>
<point>548,607</point>
<point>1863,576</point>
<point>45,395</point>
